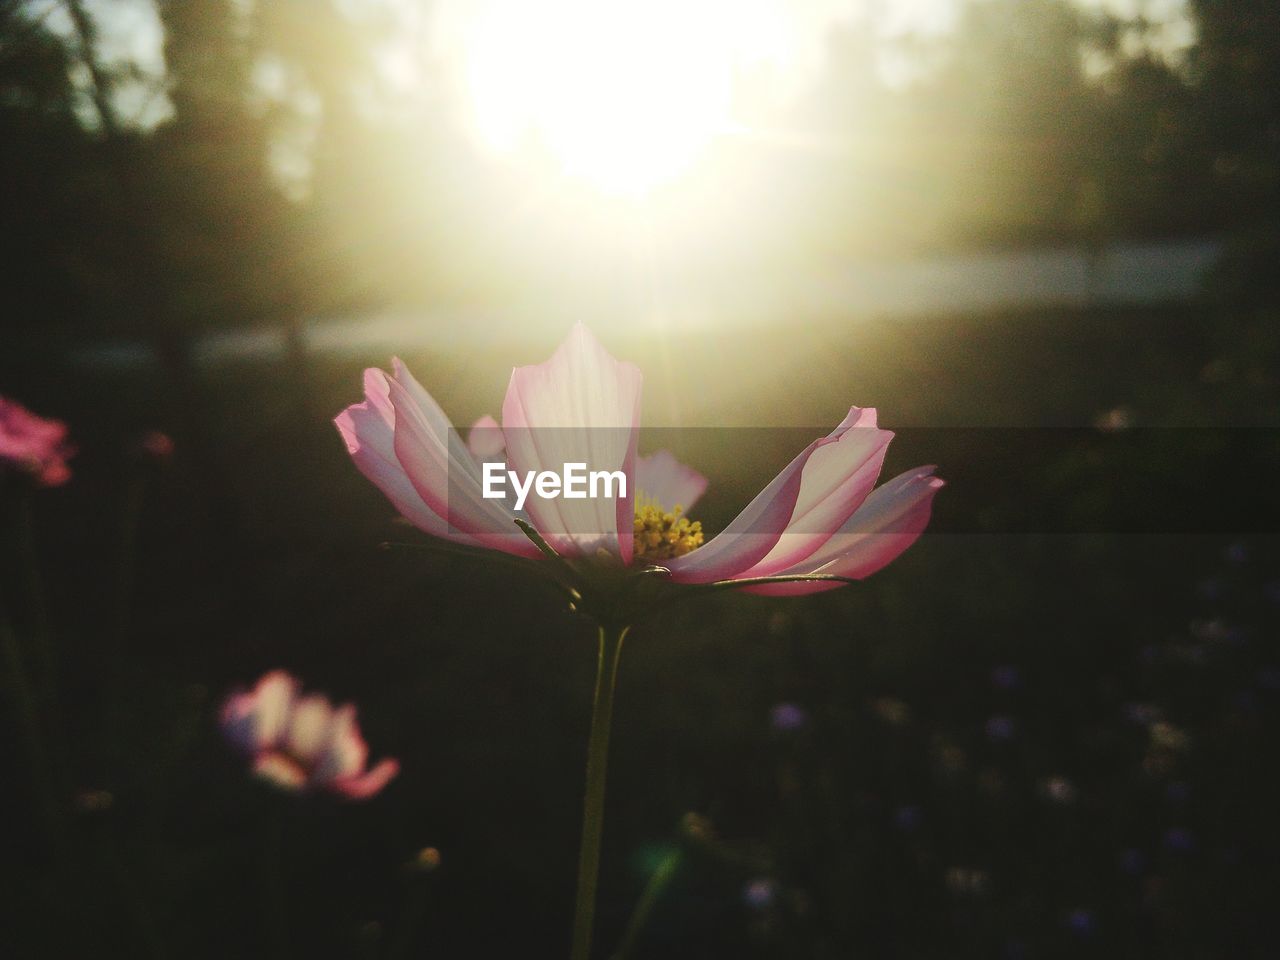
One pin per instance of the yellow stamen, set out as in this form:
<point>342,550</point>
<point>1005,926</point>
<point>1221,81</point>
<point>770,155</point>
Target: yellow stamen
<point>663,534</point>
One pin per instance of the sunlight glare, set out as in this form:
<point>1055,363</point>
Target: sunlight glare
<point>623,95</point>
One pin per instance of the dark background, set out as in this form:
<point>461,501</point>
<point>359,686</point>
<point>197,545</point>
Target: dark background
<point>1047,730</point>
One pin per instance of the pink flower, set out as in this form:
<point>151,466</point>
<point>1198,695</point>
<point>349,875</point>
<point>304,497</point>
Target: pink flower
<point>33,444</point>
<point>302,742</point>
<point>821,516</point>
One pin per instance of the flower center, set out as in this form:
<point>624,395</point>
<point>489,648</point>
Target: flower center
<point>663,534</point>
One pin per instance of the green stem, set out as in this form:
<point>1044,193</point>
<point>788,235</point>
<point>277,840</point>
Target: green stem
<point>33,686</point>
<point>593,803</point>
<point>654,889</point>
<point>127,569</point>
<point>275,896</point>
<point>38,611</point>
<point>411,921</point>
<point>28,718</point>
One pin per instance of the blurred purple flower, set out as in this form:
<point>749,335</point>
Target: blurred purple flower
<point>1230,855</point>
<point>788,717</point>
<point>760,893</point>
<point>1245,701</point>
<point>1006,676</point>
<point>1132,861</point>
<point>907,817</point>
<point>1000,728</point>
<point>1080,922</point>
<point>302,743</point>
<point>1179,840</point>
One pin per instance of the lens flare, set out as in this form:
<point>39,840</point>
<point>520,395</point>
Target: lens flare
<point>625,96</point>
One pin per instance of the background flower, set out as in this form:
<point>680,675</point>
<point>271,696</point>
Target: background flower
<point>34,444</point>
<point>302,742</point>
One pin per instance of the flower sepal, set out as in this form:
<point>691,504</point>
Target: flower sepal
<point>599,588</point>
<point>611,594</point>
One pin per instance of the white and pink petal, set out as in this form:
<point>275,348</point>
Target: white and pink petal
<point>280,770</point>
<point>485,440</point>
<point>835,481</point>
<point>755,533</point>
<point>308,729</point>
<point>364,785</point>
<point>664,480</point>
<point>580,406</point>
<point>891,519</point>
<point>368,429</point>
<point>345,751</point>
<point>257,720</point>
<point>443,471</point>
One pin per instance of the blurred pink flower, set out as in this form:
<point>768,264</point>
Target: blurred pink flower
<point>34,444</point>
<point>302,742</point>
<point>158,445</point>
<point>822,515</point>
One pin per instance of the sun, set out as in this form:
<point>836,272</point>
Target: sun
<point>624,95</point>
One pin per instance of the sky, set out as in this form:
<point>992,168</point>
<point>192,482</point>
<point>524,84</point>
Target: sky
<point>782,41</point>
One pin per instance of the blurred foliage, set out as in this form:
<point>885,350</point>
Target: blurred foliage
<point>291,180</point>
<point>1017,738</point>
